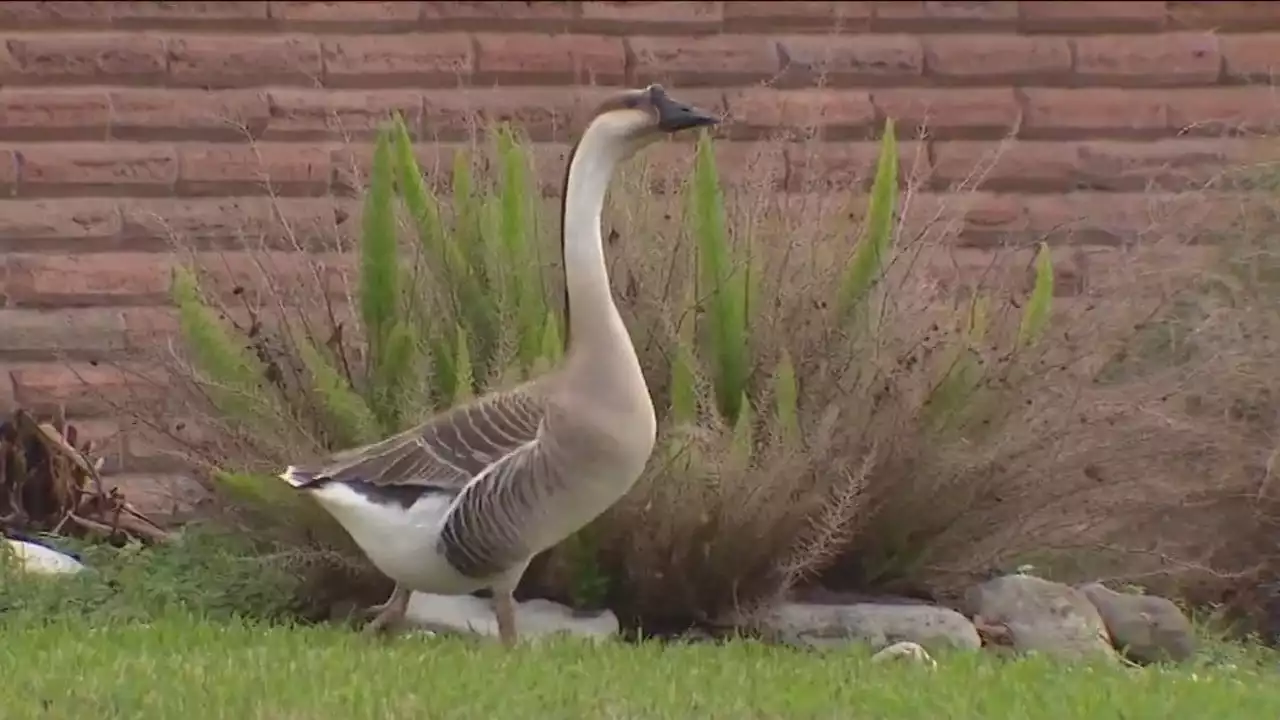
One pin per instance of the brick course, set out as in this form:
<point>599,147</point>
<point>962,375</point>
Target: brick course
<point>123,124</point>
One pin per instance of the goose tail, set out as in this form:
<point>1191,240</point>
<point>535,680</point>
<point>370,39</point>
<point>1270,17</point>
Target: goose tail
<point>298,477</point>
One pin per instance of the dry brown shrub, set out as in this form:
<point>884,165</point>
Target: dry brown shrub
<point>1160,473</point>
<point>875,499</point>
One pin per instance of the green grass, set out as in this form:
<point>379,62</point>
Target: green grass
<point>179,667</point>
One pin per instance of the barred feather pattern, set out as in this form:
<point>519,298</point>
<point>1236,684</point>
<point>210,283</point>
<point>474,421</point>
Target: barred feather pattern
<point>495,520</point>
<point>445,453</point>
<point>496,454</point>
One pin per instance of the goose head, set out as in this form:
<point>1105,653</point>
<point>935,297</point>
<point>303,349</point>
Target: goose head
<point>634,119</point>
<point>621,126</point>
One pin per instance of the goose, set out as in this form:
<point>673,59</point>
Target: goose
<point>464,501</point>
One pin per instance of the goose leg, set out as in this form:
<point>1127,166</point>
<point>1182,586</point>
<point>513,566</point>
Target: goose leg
<point>373,610</point>
<point>504,607</point>
<point>390,613</point>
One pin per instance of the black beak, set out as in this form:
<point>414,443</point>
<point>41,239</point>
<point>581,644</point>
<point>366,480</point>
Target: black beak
<point>674,116</point>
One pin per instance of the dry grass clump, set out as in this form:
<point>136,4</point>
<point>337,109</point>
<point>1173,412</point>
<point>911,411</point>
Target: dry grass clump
<point>845,396</point>
<point>50,483</point>
<point>1199,385</point>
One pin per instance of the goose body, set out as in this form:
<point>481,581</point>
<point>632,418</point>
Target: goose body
<point>465,500</point>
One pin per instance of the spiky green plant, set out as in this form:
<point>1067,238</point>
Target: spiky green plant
<point>876,244</point>
<point>721,286</point>
<point>440,318</point>
<point>451,302</point>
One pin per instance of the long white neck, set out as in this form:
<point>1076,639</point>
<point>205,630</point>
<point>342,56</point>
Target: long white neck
<point>600,355</point>
<point>594,322</point>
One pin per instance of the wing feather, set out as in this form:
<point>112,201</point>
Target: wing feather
<point>444,453</point>
<point>484,531</point>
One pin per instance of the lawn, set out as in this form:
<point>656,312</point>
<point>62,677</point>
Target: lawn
<point>177,667</point>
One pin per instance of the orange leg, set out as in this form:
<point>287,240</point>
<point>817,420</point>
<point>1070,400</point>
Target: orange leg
<point>390,613</point>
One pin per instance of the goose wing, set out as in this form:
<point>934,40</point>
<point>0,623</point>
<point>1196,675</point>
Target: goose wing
<point>441,455</point>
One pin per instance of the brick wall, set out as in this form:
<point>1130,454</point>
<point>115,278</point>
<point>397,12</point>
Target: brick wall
<point>122,121</point>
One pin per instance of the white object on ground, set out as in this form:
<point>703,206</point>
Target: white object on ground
<point>42,560</point>
<point>469,614</point>
<point>904,650</point>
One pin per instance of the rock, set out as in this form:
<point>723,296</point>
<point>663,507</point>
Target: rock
<point>904,651</point>
<point>1034,615</point>
<point>877,625</point>
<point>1146,628</point>
<point>465,614</point>
<point>164,499</point>
<point>42,560</point>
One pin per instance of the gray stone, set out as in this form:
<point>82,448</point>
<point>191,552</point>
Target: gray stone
<point>904,651</point>
<point>1146,628</point>
<point>879,626</point>
<point>1038,616</point>
<point>467,614</point>
<point>40,560</point>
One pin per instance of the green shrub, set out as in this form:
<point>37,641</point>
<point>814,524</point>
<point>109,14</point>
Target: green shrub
<point>203,571</point>
<point>824,412</point>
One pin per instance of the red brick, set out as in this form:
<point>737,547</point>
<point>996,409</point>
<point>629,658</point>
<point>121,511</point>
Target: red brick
<point>671,16</point>
<point>53,114</point>
<point>997,58</point>
<point>61,15</point>
<point>667,165</point>
<point>529,59</point>
<point>548,161</point>
<point>40,224</point>
<point>351,164</point>
<point>6,388</point>
<point>497,15</point>
<point>186,222</point>
<point>83,389</point>
<point>843,60</point>
<point>42,280</point>
<point>1145,61</point>
<point>172,114</point>
<point>394,61</point>
<point>766,109</point>
<point>541,113</point>
<point>436,160</point>
<point>849,166</point>
<point>169,447</point>
<point>1056,112</point>
<point>65,169</point>
<point>65,58</point>
<point>1216,110</point>
<point>1096,218</point>
<point>262,168</point>
<point>944,14</point>
<point>233,222</point>
<point>195,15</point>
<point>798,15</point>
<point>231,61</point>
<point>349,16</point>
<point>1084,16</point>
<point>8,171</point>
<point>292,274</point>
<point>148,327</point>
<point>106,438</point>
<point>703,60</point>
<point>1252,58</point>
<point>949,112</point>
<point>168,498</point>
<point>340,114</point>
<point>1042,166</point>
<point>1220,16</point>
<point>33,334</point>
<point>1004,165</point>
